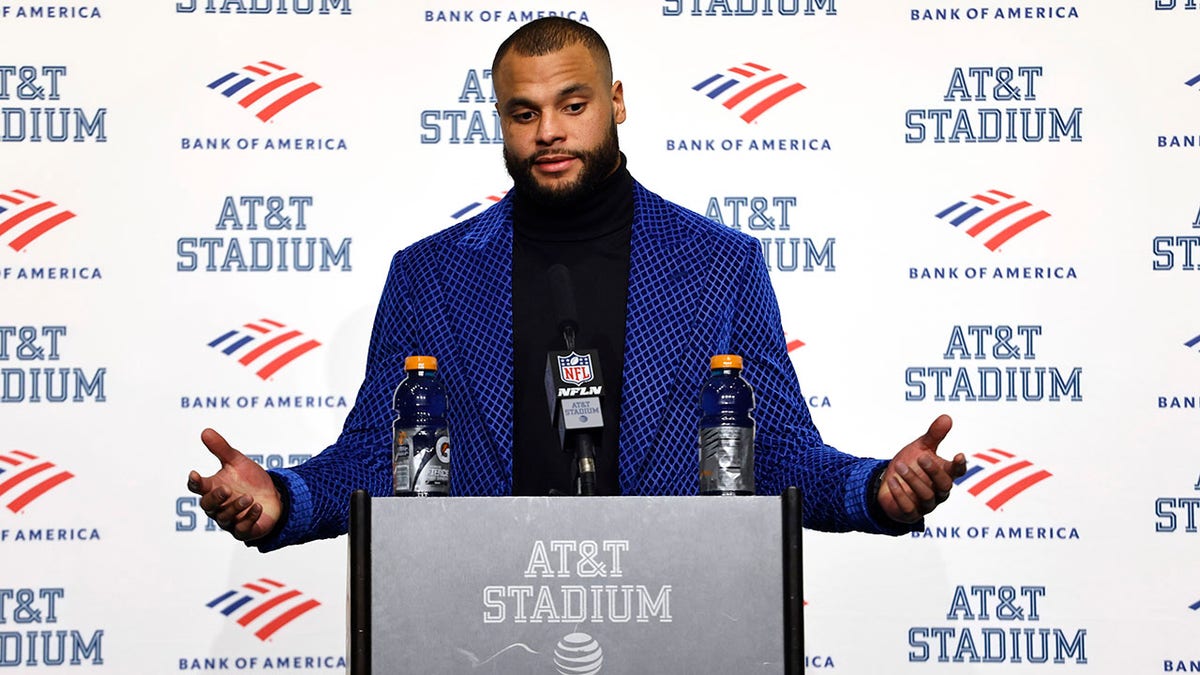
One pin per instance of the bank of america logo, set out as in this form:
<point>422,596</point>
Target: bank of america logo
<point>263,606</point>
<point>264,88</point>
<point>994,216</point>
<point>1194,81</point>
<point>478,206</point>
<point>1000,476</point>
<point>25,477</point>
<point>1192,344</point>
<point>25,216</point>
<point>264,345</point>
<point>749,89</point>
<point>1195,606</point>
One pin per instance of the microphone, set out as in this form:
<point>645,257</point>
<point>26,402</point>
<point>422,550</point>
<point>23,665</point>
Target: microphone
<point>574,385</point>
<point>562,294</point>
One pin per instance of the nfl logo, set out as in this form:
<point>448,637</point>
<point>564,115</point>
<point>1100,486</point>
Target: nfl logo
<point>575,368</point>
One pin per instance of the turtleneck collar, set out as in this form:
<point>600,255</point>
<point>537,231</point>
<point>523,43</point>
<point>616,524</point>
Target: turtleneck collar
<point>607,209</point>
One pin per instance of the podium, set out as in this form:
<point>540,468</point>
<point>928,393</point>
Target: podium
<point>575,585</point>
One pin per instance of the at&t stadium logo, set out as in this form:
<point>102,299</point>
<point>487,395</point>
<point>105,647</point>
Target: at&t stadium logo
<point>1016,380</point>
<point>749,92</point>
<point>263,348</point>
<point>1166,5</point>
<point>743,8</point>
<point>1178,514</point>
<point>999,117</point>
<point>1177,251</point>
<point>768,219</point>
<point>320,7</point>
<point>994,218</point>
<point>478,124</point>
<point>271,215</point>
<point>38,116</point>
<point>270,93</point>
<point>44,640</point>
<point>32,379</point>
<point>997,623</point>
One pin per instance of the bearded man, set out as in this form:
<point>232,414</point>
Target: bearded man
<point>665,290</point>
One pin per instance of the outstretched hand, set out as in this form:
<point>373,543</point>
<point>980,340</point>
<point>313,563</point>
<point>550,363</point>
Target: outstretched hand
<point>240,496</point>
<point>917,480</point>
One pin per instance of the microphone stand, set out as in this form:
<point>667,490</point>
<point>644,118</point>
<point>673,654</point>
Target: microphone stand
<point>585,446</point>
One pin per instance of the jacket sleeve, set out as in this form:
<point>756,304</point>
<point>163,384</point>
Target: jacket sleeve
<point>789,450</point>
<point>318,491</point>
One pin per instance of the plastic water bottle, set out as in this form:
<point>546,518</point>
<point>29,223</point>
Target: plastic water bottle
<point>726,429</point>
<point>420,437</point>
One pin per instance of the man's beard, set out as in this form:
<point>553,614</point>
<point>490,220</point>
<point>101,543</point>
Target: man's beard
<point>598,163</point>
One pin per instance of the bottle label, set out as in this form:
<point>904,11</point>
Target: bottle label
<point>421,460</point>
<point>727,460</point>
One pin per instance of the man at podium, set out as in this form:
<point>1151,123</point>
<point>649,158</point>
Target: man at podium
<point>664,289</point>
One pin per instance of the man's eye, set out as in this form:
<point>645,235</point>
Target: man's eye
<point>523,116</point>
<point>575,107</point>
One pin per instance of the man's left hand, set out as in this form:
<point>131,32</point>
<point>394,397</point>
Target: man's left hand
<point>917,480</point>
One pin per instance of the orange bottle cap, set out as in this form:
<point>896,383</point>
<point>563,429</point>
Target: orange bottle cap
<point>420,363</point>
<point>726,361</point>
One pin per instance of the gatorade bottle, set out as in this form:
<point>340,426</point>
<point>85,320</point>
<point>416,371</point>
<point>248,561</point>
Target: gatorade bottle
<point>726,429</point>
<point>420,438</point>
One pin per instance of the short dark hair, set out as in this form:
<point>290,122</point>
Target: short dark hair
<point>550,34</point>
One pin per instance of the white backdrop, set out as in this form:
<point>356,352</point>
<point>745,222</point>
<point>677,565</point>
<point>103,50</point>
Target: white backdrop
<point>1082,526</point>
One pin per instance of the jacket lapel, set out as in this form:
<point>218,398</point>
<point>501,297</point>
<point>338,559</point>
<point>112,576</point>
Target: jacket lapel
<point>479,289</point>
<point>660,322</point>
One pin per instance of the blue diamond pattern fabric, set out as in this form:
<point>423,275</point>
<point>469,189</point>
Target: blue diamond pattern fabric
<point>696,288</point>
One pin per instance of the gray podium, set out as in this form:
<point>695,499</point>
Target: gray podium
<point>575,585</point>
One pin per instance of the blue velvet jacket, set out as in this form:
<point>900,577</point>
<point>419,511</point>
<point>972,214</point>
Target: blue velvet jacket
<point>696,288</point>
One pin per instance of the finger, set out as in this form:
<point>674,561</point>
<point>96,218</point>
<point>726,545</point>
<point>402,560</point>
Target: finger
<point>940,473</point>
<point>919,486</point>
<point>211,501</point>
<point>229,511</point>
<point>243,529</point>
<point>219,447</point>
<point>937,432</point>
<point>959,467</point>
<point>198,484</point>
<point>903,500</point>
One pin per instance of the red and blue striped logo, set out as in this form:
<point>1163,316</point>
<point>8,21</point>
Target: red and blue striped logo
<point>263,606</point>
<point>1194,81</point>
<point>998,214</point>
<point>264,88</point>
<point>999,476</point>
<point>25,216</point>
<point>265,345</point>
<point>24,477</point>
<point>471,208</point>
<point>1192,345</point>
<point>749,89</point>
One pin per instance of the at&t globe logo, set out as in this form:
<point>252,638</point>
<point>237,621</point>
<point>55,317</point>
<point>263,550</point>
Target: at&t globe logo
<point>578,654</point>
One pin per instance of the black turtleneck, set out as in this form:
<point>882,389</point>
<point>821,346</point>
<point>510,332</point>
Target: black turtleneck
<point>591,238</point>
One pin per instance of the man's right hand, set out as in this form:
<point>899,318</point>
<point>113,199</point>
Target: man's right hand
<point>240,496</point>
